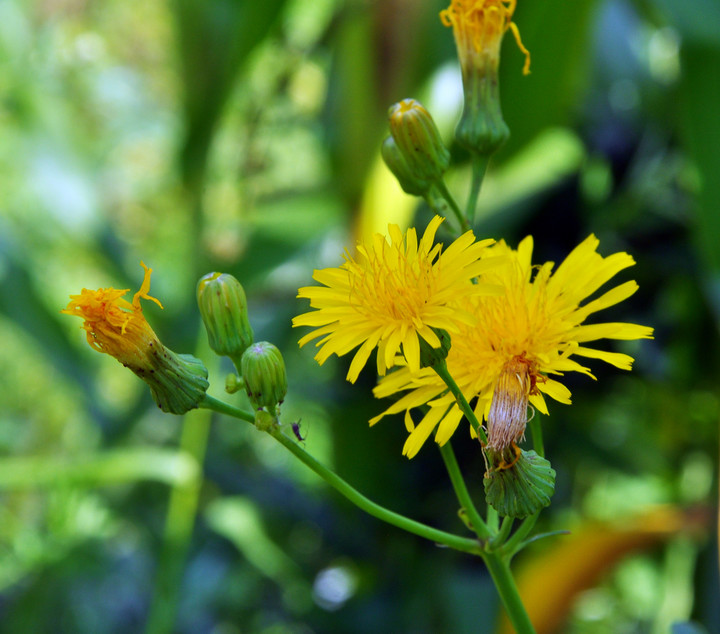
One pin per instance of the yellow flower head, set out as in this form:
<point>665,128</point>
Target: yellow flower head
<point>392,293</point>
<point>478,27</point>
<point>116,326</point>
<point>520,339</point>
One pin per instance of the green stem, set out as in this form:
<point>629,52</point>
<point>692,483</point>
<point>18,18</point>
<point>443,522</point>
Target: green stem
<point>537,435</point>
<point>493,521</point>
<point>479,165</point>
<point>442,371</point>
<point>367,505</point>
<point>503,533</point>
<point>516,541</point>
<point>217,405</point>
<point>445,193</point>
<point>462,493</point>
<point>178,527</point>
<point>500,572</point>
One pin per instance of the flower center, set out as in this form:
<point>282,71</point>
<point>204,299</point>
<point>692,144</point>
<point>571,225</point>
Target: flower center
<point>394,287</point>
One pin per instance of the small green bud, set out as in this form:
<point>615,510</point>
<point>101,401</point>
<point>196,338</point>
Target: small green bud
<point>223,308</point>
<point>264,420</point>
<point>263,371</point>
<point>419,143</point>
<point>233,383</point>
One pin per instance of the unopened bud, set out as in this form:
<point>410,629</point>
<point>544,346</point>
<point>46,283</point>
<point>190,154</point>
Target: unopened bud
<point>419,143</point>
<point>263,371</point>
<point>223,308</point>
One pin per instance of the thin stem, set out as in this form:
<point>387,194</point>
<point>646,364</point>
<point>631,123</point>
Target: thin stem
<point>462,493</point>
<point>537,435</point>
<point>503,533</point>
<point>479,165</point>
<point>217,405</point>
<point>367,505</point>
<point>513,544</point>
<point>505,584</point>
<point>445,193</point>
<point>179,526</point>
<point>493,520</point>
<point>442,371</point>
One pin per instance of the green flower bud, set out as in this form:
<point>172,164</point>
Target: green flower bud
<point>518,483</point>
<point>263,371</point>
<point>418,141</point>
<point>233,383</point>
<point>223,308</point>
<point>397,164</point>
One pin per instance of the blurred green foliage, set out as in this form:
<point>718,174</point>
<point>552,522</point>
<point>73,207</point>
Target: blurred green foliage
<point>239,136</point>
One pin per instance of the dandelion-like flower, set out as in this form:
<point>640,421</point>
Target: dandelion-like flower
<point>478,27</point>
<point>521,340</point>
<point>393,293</point>
<point>118,327</point>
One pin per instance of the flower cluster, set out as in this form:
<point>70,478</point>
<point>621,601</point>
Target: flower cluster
<point>512,339</point>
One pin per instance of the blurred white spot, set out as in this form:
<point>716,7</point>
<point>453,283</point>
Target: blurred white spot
<point>446,92</point>
<point>664,55</point>
<point>89,47</point>
<point>333,587</point>
<point>63,190</point>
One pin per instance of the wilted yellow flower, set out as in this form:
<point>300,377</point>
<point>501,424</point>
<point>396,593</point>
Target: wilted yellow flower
<point>520,340</point>
<point>114,325</point>
<point>478,27</point>
<point>118,328</point>
<point>394,292</point>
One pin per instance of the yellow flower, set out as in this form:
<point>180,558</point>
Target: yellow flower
<point>520,339</point>
<point>114,325</point>
<point>117,327</point>
<point>478,27</point>
<point>391,294</point>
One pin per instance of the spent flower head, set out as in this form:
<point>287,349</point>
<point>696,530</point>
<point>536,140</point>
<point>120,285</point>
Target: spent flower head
<point>478,27</point>
<point>118,327</point>
<point>391,294</point>
<point>521,339</point>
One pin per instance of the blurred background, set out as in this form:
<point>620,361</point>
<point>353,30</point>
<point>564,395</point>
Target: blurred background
<point>244,136</point>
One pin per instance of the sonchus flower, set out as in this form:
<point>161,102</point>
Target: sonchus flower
<point>118,328</point>
<point>478,27</point>
<point>520,341</point>
<point>391,295</point>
